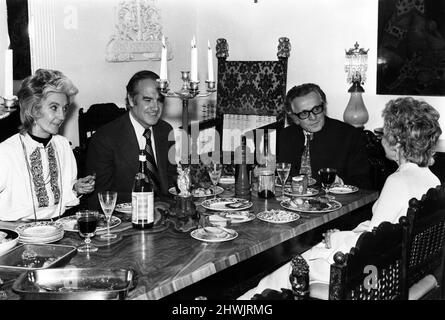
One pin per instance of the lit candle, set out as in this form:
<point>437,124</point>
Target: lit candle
<point>194,62</point>
<point>209,62</point>
<point>163,72</point>
<point>8,74</point>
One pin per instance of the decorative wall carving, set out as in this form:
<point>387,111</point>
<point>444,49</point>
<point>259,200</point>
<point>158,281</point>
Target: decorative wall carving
<point>138,33</point>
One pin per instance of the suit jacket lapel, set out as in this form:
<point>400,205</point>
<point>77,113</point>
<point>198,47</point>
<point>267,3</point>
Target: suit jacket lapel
<point>128,144</point>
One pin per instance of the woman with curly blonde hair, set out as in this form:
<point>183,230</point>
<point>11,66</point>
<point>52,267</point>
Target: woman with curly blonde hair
<point>410,133</point>
<point>37,167</point>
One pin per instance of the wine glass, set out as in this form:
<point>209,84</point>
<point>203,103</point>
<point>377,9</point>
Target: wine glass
<point>215,170</point>
<point>87,224</point>
<point>283,170</point>
<point>327,178</point>
<point>107,201</point>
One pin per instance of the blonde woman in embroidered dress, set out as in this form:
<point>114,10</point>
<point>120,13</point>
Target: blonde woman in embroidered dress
<point>37,166</point>
<point>410,133</point>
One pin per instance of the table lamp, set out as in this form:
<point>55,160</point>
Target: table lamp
<point>356,66</point>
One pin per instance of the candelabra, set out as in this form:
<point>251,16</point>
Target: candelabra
<point>7,106</point>
<point>184,206</point>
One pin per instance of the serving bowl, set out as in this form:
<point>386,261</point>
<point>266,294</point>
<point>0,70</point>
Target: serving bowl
<point>12,238</point>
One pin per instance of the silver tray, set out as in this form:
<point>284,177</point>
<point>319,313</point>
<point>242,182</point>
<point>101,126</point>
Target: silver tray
<point>47,256</point>
<point>75,284</point>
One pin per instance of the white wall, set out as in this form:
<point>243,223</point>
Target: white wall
<point>319,32</point>
<point>3,42</point>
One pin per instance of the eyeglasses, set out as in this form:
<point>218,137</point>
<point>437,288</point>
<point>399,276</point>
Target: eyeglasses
<point>306,113</point>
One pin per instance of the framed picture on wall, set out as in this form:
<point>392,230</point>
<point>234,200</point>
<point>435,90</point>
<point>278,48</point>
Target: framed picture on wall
<point>411,47</point>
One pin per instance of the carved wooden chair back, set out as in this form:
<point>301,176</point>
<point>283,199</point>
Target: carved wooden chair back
<point>425,238</point>
<point>96,116</point>
<point>372,270</point>
<point>251,87</point>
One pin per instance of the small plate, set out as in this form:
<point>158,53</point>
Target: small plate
<point>215,234</point>
<point>311,205</point>
<point>278,216</point>
<point>39,229</point>
<point>237,216</point>
<point>226,204</point>
<point>310,192</point>
<point>201,192</point>
<point>70,223</point>
<point>343,189</point>
<point>123,207</point>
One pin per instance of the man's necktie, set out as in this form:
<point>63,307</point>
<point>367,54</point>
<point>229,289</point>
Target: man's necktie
<point>305,167</point>
<point>151,162</point>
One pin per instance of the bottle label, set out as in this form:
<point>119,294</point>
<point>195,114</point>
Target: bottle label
<point>142,207</point>
<point>142,157</point>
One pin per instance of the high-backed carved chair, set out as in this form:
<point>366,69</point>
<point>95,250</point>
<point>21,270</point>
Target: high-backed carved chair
<point>96,116</point>
<point>246,87</point>
<point>424,243</point>
<point>372,270</point>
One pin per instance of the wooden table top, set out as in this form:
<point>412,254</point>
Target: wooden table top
<point>166,260</point>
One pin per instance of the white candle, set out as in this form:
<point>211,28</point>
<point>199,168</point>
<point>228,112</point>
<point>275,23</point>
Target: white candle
<point>163,72</point>
<point>209,62</point>
<point>8,74</point>
<point>194,62</point>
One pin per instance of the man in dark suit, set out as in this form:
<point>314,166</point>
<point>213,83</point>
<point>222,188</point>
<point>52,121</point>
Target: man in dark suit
<point>333,143</point>
<point>114,148</point>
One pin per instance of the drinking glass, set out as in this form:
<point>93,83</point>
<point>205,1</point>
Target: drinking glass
<point>327,178</point>
<point>107,201</point>
<point>283,170</point>
<point>215,170</point>
<point>87,224</point>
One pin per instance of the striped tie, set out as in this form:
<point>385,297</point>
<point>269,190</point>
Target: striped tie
<point>151,162</point>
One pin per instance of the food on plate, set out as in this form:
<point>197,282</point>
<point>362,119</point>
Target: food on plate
<point>30,259</point>
<point>237,215</point>
<point>313,204</point>
<point>236,205</point>
<point>275,215</point>
<point>212,233</point>
<point>202,192</point>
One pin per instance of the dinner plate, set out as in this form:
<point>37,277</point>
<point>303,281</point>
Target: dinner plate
<point>343,189</point>
<point>39,229</point>
<point>311,182</point>
<point>215,234</point>
<point>237,216</point>
<point>311,205</point>
<point>70,223</point>
<point>227,180</point>
<point>226,204</point>
<point>123,207</point>
<point>310,192</point>
<point>201,192</point>
<point>278,216</point>
<point>41,240</point>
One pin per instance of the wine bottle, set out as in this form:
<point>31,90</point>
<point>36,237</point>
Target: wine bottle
<point>242,184</point>
<point>142,196</point>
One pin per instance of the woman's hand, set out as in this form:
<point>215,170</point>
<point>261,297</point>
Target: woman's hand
<point>85,185</point>
<point>327,237</point>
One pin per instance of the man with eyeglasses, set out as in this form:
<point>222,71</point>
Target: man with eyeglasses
<point>333,143</point>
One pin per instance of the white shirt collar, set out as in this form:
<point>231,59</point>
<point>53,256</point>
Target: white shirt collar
<point>139,130</point>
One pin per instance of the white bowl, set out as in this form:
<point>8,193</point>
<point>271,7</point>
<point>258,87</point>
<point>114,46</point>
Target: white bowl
<point>13,240</point>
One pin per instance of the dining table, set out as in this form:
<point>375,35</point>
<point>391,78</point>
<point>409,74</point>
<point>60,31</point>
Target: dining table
<point>166,261</point>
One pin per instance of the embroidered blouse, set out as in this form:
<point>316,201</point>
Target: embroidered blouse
<point>43,181</point>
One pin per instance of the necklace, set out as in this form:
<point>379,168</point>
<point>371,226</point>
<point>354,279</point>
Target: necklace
<point>28,167</point>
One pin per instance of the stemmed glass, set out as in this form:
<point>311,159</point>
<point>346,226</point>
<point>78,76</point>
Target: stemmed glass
<point>215,170</point>
<point>107,201</point>
<point>327,178</point>
<point>87,224</point>
<point>283,170</point>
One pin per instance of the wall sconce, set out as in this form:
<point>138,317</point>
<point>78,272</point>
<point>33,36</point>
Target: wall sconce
<point>356,66</point>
